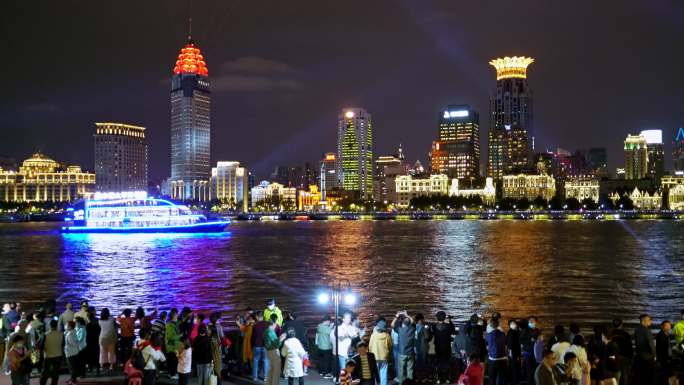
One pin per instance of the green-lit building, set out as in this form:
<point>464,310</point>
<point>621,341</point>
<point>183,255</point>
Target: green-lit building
<point>355,151</point>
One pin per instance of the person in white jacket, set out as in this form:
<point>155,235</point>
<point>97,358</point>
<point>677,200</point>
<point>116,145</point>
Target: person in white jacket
<point>184,363</point>
<point>151,356</point>
<point>346,332</point>
<point>293,352</point>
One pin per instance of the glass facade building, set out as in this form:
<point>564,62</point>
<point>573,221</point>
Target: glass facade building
<point>456,152</point>
<point>355,152</point>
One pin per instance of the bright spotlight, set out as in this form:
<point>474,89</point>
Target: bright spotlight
<point>349,299</point>
<point>323,298</point>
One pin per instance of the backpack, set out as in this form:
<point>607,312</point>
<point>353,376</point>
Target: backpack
<point>138,360</point>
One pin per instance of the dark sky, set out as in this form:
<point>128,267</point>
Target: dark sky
<point>281,70</point>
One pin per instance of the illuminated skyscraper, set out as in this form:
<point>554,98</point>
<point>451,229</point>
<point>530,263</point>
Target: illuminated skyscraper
<point>190,125</point>
<point>355,151</point>
<point>636,157</point>
<point>456,152</point>
<point>120,157</point>
<point>678,150</point>
<point>328,178</point>
<point>656,154</point>
<point>511,136</point>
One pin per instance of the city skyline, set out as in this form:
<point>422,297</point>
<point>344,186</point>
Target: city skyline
<point>260,86</point>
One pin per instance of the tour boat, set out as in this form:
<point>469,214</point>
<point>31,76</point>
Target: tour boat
<point>135,212</point>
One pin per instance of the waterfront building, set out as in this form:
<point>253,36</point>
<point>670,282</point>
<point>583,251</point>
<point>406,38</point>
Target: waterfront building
<point>656,154</point>
<point>190,126</point>
<point>582,187</point>
<point>641,199</point>
<point>230,184</point>
<point>408,187</point>
<point>529,186</point>
<point>355,152</point>
<point>511,135</point>
<point>328,174</point>
<point>41,179</point>
<point>678,150</point>
<point>309,200</point>
<point>387,167</point>
<point>486,193</point>
<point>636,157</point>
<point>673,189</point>
<point>456,152</point>
<point>273,196</point>
<point>120,157</point>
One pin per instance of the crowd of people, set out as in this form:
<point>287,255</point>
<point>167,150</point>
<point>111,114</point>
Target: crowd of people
<point>271,344</point>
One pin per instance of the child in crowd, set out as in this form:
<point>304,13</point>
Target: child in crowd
<point>184,363</point>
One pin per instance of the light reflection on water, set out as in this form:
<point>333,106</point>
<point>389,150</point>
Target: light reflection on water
<point>560,271</point>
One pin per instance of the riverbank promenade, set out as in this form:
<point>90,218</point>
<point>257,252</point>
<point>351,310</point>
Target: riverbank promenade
<point>117,378</point>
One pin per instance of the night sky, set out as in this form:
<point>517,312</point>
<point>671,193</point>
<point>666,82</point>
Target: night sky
<point>281,70</point>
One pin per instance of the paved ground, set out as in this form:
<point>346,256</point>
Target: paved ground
<point>313,378</point>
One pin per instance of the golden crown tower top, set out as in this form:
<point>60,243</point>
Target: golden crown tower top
<point>511,67</point>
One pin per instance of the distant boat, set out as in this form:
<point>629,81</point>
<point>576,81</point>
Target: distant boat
<point>135,212</point>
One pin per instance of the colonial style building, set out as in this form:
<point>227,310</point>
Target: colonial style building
<point>41,179</point>
<point>274,193</point>
<point>487,193</point>
<point>409,187</point>
<point>582,188</point>
<point>529,186</point>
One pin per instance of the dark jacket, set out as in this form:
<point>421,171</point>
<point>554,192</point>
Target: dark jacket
<point>624,342</point>
<point>513,342</point>
<point>407,339</point>
<point>496,344</point>
<point>527,339</point>
<point>442,332</point>
<point>358,370</point>
<point>258,334</point>
<point>202,353</point>
<point>663,349</point>
<point>644,345</point>
<point>544,376</point>
<point>300,331</point>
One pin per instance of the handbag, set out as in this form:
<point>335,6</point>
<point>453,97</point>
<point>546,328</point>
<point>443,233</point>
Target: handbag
<point>213,379</point>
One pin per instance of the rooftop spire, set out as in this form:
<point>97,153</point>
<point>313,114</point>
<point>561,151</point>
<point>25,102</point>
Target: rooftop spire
<point>190,24</point>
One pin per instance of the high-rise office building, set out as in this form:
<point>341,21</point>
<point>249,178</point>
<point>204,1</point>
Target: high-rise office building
<point>678,150</point>
<point>597,161</point>
<point>120,157</point>
<point>656,154</point>
<point>190,125</point>
<point>328,179</point>
<point>511,135</point>
<point>355,152</point>
<point>636,157</point>
<point>456,152</point>
<point>387,167</point>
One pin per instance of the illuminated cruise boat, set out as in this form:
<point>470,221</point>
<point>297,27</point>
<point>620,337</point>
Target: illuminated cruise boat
<point>135,212</point>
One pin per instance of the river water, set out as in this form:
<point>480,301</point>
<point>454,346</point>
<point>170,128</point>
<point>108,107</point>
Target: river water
<point>561,271</point>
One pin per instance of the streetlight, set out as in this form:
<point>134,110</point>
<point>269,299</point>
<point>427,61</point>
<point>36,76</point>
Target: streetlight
<point>338,291</point>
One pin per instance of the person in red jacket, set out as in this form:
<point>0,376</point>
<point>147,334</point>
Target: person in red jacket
<point>474,373</point>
